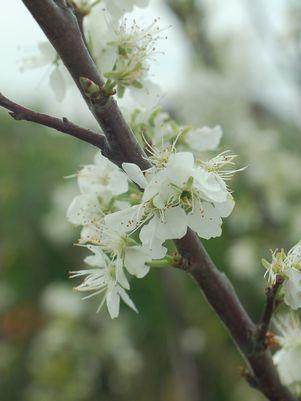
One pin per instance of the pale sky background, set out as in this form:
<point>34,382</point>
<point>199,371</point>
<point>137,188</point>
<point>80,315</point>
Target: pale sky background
<point>20,35</point>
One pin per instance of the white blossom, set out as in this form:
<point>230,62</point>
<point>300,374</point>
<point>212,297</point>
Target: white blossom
<point>205,138</point>
<point>123,250</point>
<point>102,178</point>
<point>46,55</point>
<point>104,278</point>
<point>292,283</point>
<point>178,193</point>
<point>117,8</point>
<point>124,53</point>
<point>288,358</point>
<point>289,268</point>
<point>99,184</point>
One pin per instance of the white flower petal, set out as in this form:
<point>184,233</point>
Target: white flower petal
<point>84,209</point>
<point>288,362</point>
<point>205,221</point>
<point>174,225</point>
<point>126,299</point>
<point>292,288</point>
<point>118,183</point>
<point>151,243</point>
<point>203,139</point>
<point>121,277</point>
<point>57,84</point>
<point>180,167</point>
<point>210,185</point>
<point>113,302</point>
<point>124,220</point>
<point>225,208</point>
<point>135,174</point>
<point>134,261</point>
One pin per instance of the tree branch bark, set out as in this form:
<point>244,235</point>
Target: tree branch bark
<point>270,307</point>
<point>59,24</point>
<point>19,112</point>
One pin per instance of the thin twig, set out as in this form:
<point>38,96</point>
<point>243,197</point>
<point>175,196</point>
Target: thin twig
<point>270,307</point>
<point>19,112</point>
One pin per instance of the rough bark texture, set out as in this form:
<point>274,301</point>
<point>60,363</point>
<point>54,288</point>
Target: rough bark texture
<point>58,22</point>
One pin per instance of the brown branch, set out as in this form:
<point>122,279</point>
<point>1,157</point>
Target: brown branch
<point>19,112</point>
<point>61,27</point>
<point>270,307</point>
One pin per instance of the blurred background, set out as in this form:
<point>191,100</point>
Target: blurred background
<point>234,63</point>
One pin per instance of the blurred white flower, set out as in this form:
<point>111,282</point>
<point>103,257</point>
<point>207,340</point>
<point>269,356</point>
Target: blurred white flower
<point>242,257</point>
<point>288,358</point>
<point>205,138</point>
<point>117,8</point>
<point>57,299</point>
<point>48,56</point>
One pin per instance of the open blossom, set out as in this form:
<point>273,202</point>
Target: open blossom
<point>123,250</point>
<point>288,266</point>
<point>102,177</point>
<point>288,358</point>
<point>99,184</point>
<point>124,52</point>
<point>105,278</point>
<point>178,193</point>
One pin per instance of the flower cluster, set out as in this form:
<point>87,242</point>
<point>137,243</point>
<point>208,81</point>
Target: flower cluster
<point>179,193</point>
<point>126,228</point>
<point>102,185</point>
<point>288,267</point>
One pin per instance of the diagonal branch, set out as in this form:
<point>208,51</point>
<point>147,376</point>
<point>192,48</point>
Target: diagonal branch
<point>19,112</point>
<point>60,26</point>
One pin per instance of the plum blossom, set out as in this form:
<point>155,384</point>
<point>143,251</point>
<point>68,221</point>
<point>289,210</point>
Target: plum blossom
<point>46,55</point>
<point>100,184</point>
<point>123,250</point>
<point>288,266</point>
<point>178,193</point>
<point>124,53</point>
<point>104,278</point>
<point>288,357</point>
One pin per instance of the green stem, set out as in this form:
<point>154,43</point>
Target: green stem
<point>167,261</point>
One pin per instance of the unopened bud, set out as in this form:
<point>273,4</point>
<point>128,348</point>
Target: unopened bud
<point>91,89</point>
